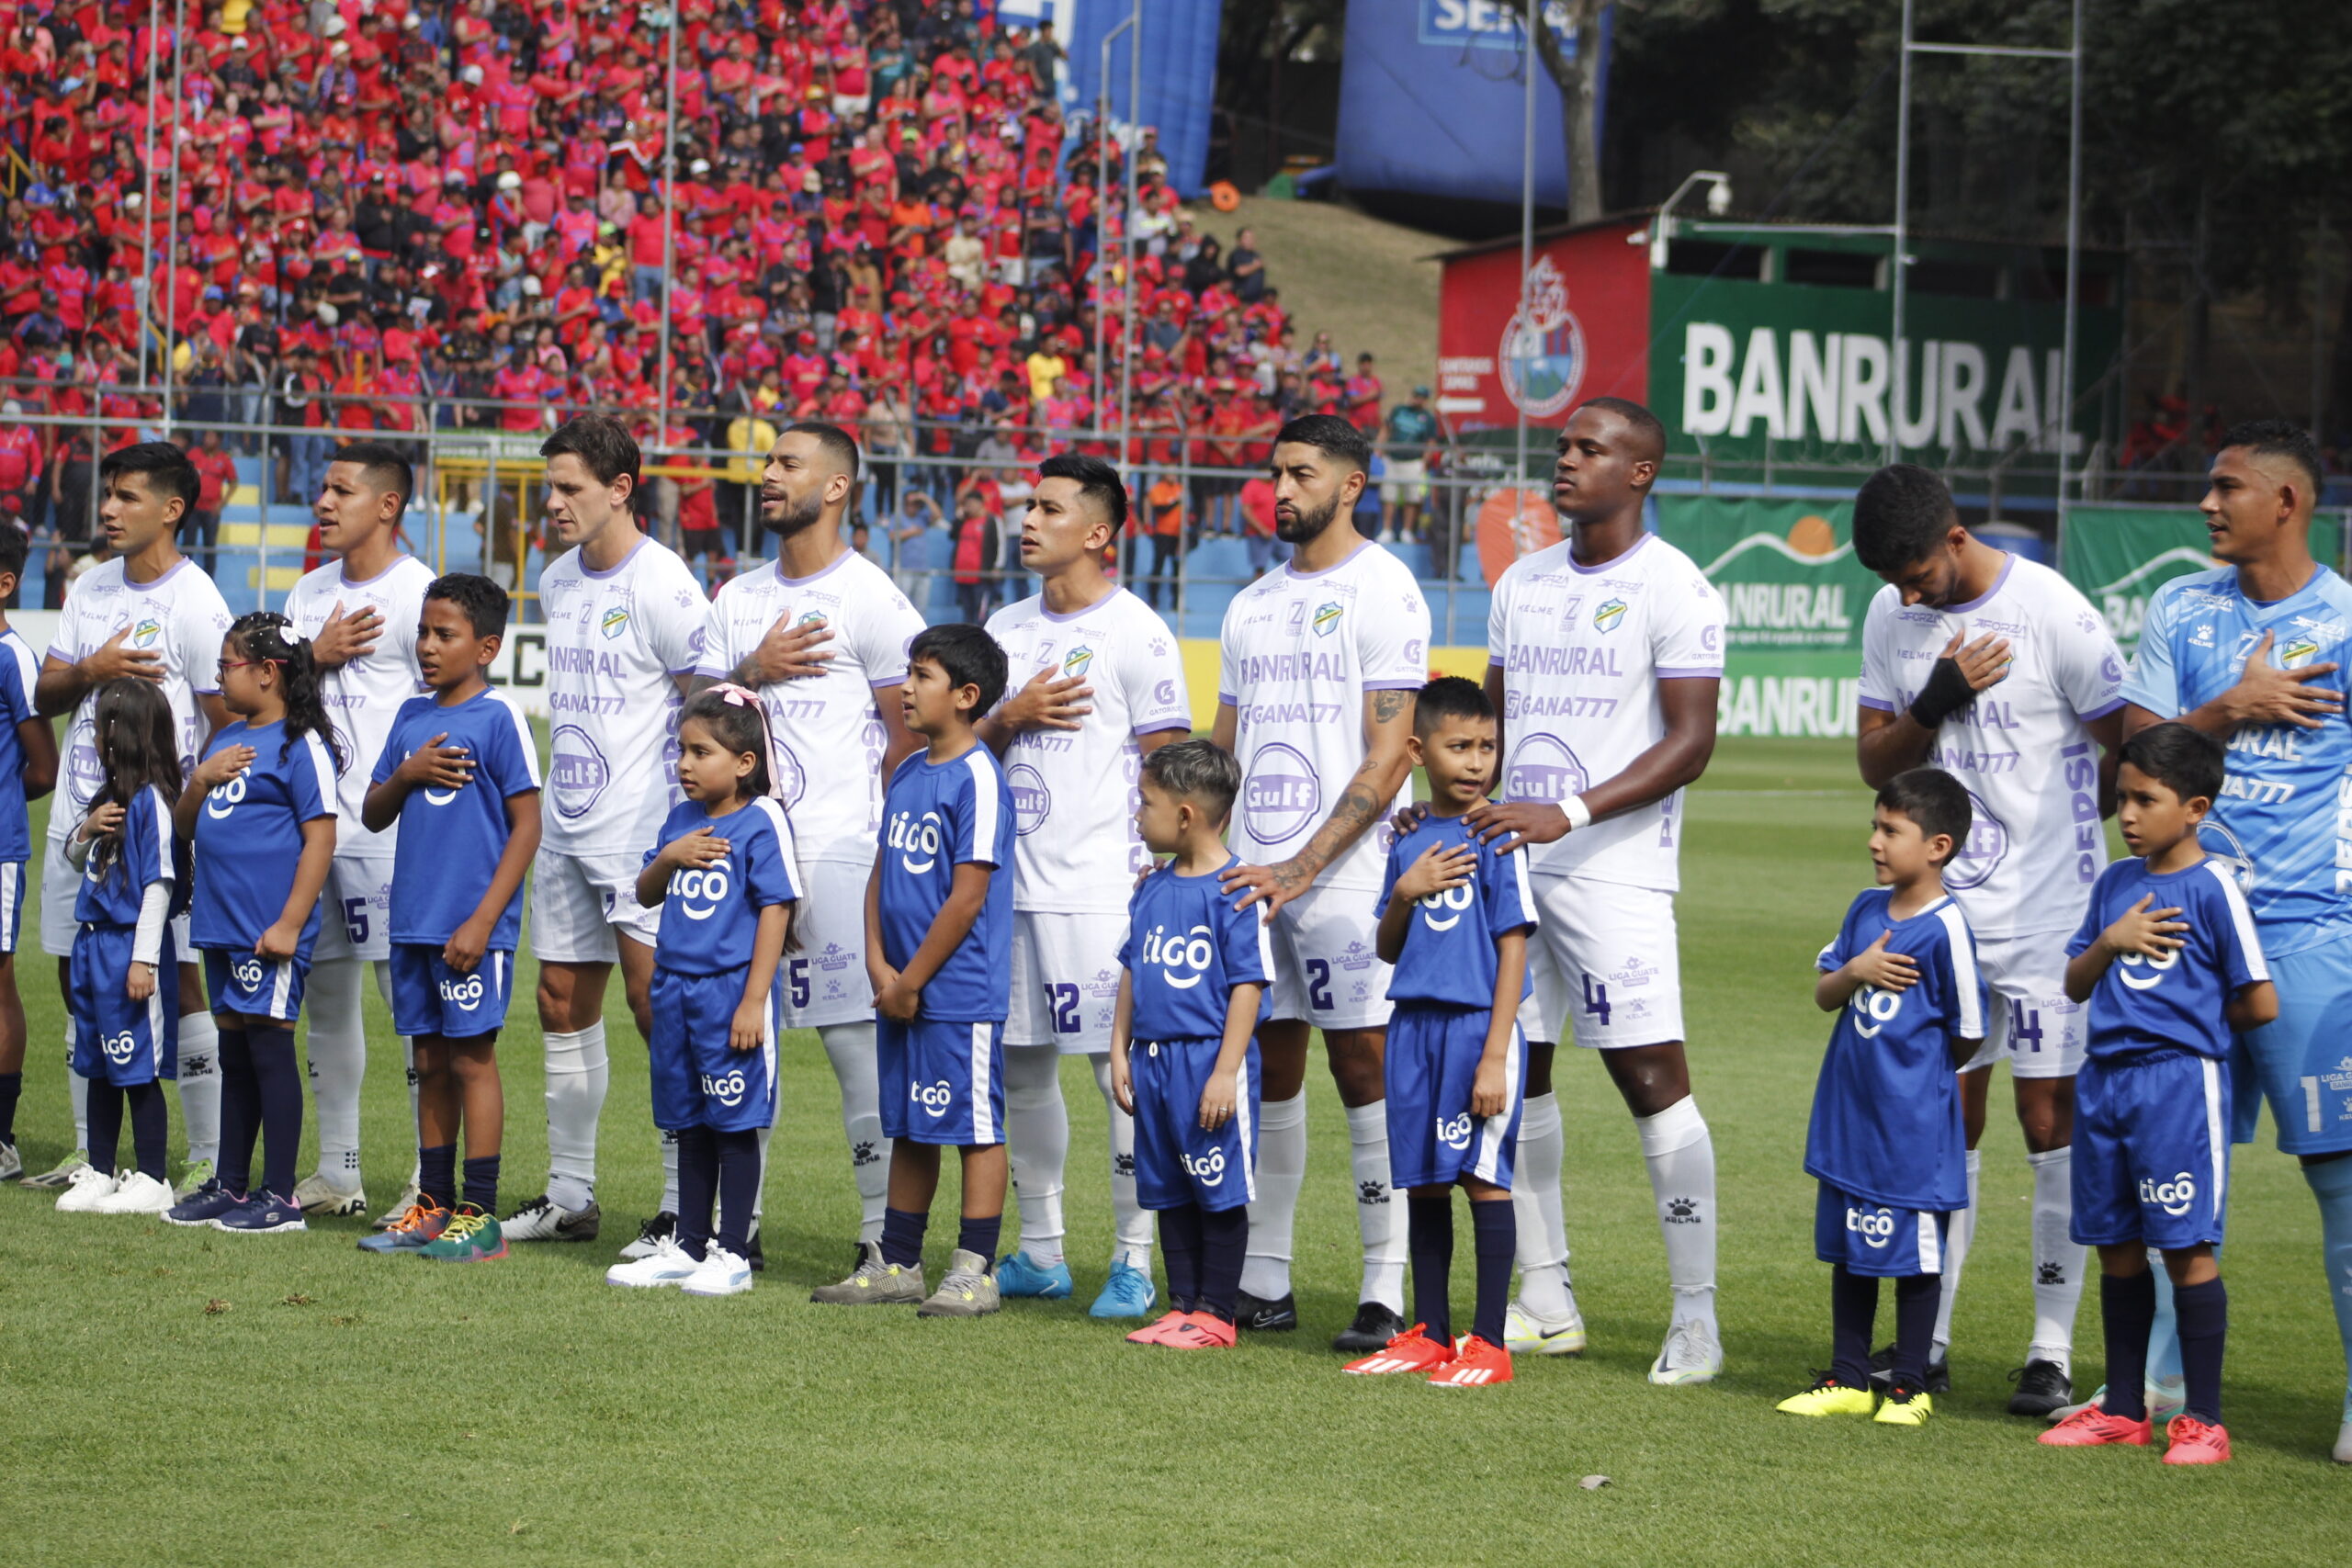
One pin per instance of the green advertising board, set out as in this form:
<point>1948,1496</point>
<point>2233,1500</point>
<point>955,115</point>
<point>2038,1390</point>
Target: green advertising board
<point>2119,556</point>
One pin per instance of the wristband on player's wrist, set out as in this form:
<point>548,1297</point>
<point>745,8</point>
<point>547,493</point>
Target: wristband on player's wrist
<point>1946,692</point>
<point>1578,813</point>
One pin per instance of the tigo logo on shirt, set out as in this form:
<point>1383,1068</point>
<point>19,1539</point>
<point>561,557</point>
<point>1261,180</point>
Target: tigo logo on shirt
<point>1453,900</point>
<point>463,993</point>
<point>1875,1226</point>
<point>1209,1169</point>
<point>933,1097</point>
<point>2143,973</point>
<point>1454,1132</point>
<point>725,1088</point>
<point>1191,954</point>
<point>913,838</point>
<point>699,889</point>
<point>2173,1197</point>
<point>1874,1009</point>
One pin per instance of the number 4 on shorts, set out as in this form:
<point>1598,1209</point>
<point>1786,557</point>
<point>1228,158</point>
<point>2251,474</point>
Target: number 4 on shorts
<point>1596,999</point>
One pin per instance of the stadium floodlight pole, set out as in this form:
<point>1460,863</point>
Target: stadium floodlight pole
<point>1127,234</point>
<point>172,214</point>
<point>1103,195</point>
<point>669,215</point>
<point>2063,416</point>
<point>1526,270</point>
<point>141,288</point>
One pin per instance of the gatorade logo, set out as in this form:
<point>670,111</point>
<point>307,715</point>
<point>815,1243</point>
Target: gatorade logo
<point>934,1097</point>
<point>2173,1197</point>
<point>1185,958</point>
<point>1209,1169</point>
<point>699,889</point>
<point>725,1088</point>
<point>1875,1226</point>
<point>1442,911</point>
<point>1454,1132</point>
<point>464,993</point>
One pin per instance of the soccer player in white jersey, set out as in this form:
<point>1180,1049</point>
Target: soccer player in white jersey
<point>360,613</point>
<point>152,614</point>
<point>1096,685</point>
<point>1319,664</point>
<point>1605,651</point>
<point>821,634</point>
<point>1996,669</point>
<point>625,623</point>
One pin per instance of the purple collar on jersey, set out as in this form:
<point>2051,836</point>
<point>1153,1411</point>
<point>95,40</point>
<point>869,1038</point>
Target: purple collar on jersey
<point>589,572</point>
<point>826,570</point>
<point>2007,560</point>
<point>1083,610</point>
<point>153,583</point>
<point>1298,576</point>
<point>1612,562</point>
<point>350,581</point>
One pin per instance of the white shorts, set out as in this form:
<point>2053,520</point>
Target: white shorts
<point>1546,1006</point>
<point>1065,980</point>
<point>60,886</point>
<point>1327,970</point>
<point>2041,1033</point>
<point>579,901</point>
<point>1609,964</point>
<point>355,910</point>
<point>824,975</point>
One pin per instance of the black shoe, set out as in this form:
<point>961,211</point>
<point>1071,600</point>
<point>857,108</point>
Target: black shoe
<point>2042,1388</point>
<point>652,1233</point>
<point>752,1253</point>
<point>1258,1315</point>
<point>1883,1373</point>
<point>1375,1327</point>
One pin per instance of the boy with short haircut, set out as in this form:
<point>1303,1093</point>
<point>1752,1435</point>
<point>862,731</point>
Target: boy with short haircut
<point>1193,973</point>
<point>1886,1142</point>
<point>1455,917</point>
<point>27,771</point>
<point>938,950</point>
<point>460,765</point>
<point>2169,961</point>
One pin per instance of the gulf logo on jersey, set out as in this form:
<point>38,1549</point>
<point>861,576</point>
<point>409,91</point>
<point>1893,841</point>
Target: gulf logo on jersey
<point>1031,800</point>
<point>2143,973</point>
<point>1075,663</point>
<point>1186,958</point>
<point>1606,617</point>
<point>2224,846</point>
<point>790,778</point>
<point>1327,618</point>
<point>1543,768</point>
<point>699,890</point>
<point>82,765</point>
<point>577,771</point>
<point>1988,844</point>
<point>917,840</point>
<point>1280,795</point>
<point>616,622</point>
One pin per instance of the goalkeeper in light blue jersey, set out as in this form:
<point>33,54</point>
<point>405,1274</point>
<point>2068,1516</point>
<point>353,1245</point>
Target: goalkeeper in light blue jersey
<point>2256,652</point>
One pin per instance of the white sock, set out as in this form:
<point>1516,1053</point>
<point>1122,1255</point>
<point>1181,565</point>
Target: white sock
<point>2057,1260</point>
<point>78,1089</point>
<point>578,1072</point>
<point>1037,1143</point>
<point>338,1062</point>
<point>669,1173</point>
<point>1130,1220</point>
<point>1379,1219</point>
<point>415,1110</point>
<point>1543,1287</point>
<point>1681,1157</point>
<point>199,1067</point>
<point>1282,1171</point>
<point>850,1047</point>
<point>1958,1234</point>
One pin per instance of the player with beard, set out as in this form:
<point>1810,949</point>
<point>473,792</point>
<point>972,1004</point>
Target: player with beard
<point>821,634</point>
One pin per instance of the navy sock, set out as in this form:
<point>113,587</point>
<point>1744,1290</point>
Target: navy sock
<point>104,1112</point>
<point>240,1110</point>
<point>697,1187</point>
<point>1916,1296</point>
<point>12,1089</point>
<point>1853,1306</point>
<point>482,1183</point>
<point>902,1238</point>
<point>150,1128</point>
<point>2127,1308</point>
<point>277,1075</point>
<point>1494,1228</point>
<point>1180,1250</point>
<point>437,1174</point>
<point>1428,1234</point>
<point>978,1238</point>
<point>1224,1241</point>
<point>739,1188</point>
<point>2204,1313</point>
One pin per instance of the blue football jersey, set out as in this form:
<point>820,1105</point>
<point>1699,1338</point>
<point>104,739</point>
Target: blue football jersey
<point>248,836</point>
<point>710,915</point>
<point>2143,1004</point>
<point>19,669</point>
<point>1448,956</point>
<point>1886,1112</point>
<point>1185,949</point>
<point>2281,822</point>
<point>147,854</point>
<point>936,816</point>
<point>451,839</point>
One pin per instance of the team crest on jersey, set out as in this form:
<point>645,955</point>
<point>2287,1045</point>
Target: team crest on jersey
<point>145,632</point>
<point>1327,618</point>
<point>1075,664</point>
<point>810,618</point>
<point>616,622</point>
<point>2299,653</point>
<point>1606,617</point>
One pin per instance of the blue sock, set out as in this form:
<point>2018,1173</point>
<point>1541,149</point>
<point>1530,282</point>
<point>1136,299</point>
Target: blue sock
<point>2331,1183</point>
<point>739,1189</point>
<point>437,1174</point>
<point>1853,1305</point>
<point>1429,1236</point>
<point>1494,1239</point>
<point>979,1236</point>
<point>697,1187</point>
<point>11,1086</point>
<point>902,1238</point>
<point>482,1183</point>
<point>1180,1253</point>
<point>1224,1241</point>
<point>2204,1326</point>
<point>2127,1306</point>
<point>278,1078</point>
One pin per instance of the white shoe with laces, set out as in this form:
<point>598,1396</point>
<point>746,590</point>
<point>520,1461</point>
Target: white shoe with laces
<point>667,1264</point>
<point>721,1273</point>
<point>138,1194</point>
<point>1524,1334</point>
<point>318,1193</point>
<point>1690,1356</point>
<point>12,1164</point>
<point>83,1191</point>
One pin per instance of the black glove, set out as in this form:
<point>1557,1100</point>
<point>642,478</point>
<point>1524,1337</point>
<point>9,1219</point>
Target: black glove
<point>1946,692</point>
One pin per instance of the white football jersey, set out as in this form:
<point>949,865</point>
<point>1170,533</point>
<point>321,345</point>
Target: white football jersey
<point>828,732</point>
<point>362,697</point>
<point>2036,844</point>
<point>1298,653</point>
<point>615,642</point>
<point>181,617</point>
<point>1582,650</point>
<point>1076,851</point>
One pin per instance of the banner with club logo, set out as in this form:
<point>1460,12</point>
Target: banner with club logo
<point>2119,556</point>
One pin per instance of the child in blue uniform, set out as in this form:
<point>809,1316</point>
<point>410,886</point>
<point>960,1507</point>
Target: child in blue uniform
<point>938,947</point>
<point>260,810</point>
<point>2168,959</point>
<point>722,872</point>
<point>126,1029</point>
<point>460,766</point>
<point>1886,1142</point>
<point>27,771</point>
<point>1193,973</point>
<point>1453,921</point>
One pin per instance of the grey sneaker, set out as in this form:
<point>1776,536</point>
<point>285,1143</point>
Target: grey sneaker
<point>58,1179</point>
<point>873,1282</point>
<point>12,1164</point>
<point>969,1290</point>
<point>400,1206</point>
<point>540,1220</point>
<point>1690,1356</point>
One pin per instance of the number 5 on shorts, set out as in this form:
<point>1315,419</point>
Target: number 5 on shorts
<point>354,920</point>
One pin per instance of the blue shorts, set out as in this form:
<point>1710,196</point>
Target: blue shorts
<point>2151,1161</point>
<point>114,1039</point>
<point>430,997</point>
<point>699,1079</point>
<point>2301,1062</point>
<point>1876,1239</point>
<point>258,987</point>
<point>1176,1163</point>
<point>1432,1062</point>
<point>943,1081</point>
<point>12,904</point>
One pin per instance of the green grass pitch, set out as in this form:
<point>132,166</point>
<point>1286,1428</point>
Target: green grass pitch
<point>171,1397</point>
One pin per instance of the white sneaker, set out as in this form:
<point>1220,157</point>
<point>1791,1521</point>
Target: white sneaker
<point>57,1179</point>
<point>1691,1355</point>
<point>2343,1454</point>
<point>1524,1334</point>
<point>318,1193</point>
<point>83,1191</point>
<point>12,1164</point>
<point>666,1265</point>
<point>400,1206</point>
<point>138,1194</point>
<point>721,1273</point>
